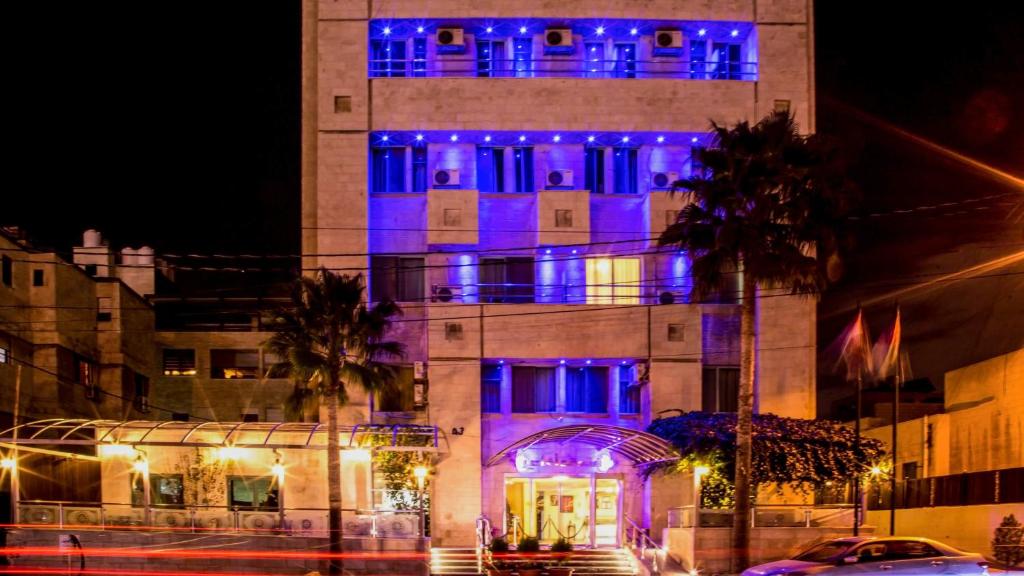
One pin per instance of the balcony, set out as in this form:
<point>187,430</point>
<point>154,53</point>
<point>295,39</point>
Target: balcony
<point>562,68</point>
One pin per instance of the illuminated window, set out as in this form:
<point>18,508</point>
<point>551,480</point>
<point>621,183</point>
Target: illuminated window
<point>625,60</point>
<point>490,388</point>
<point>234,364</point>
<point>253,493</point>
<point>388,169</point>
<point>629,391</point>
<point>533,389</point>
<point>725,61</point>
<point>490,169</point>
<point>179,362</point>
<point>490,58</point>
<point>613,281</point>
<point>594,167</point>
<point>522,56</point>
<point>593,59</point>
<point>4,355</point>
<point>388,58</point>
<point>586,389</point>
<point>165,490</point>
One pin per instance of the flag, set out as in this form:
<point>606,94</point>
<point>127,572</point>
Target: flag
<point>886,352</point>
<point>855,349</point>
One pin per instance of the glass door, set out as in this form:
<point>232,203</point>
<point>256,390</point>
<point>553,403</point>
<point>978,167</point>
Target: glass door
<point>555,507</point>
<point>607,508</point>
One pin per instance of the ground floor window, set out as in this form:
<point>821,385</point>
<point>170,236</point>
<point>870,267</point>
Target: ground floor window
<point>253,492</point>
<point>586,510</point>
<point>165,490</point>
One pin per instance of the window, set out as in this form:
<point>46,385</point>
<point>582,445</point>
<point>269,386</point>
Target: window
<point>522,56</point>
<point>490,388</point>
<point>141,389</point>
<point>38,278</point>
<point>696,166</point>
<point>5,357</point>
<point>593,59</point>
<point>533,389</point>
<point>506,280</point>
<point>7,270</point>
<point>586,389</point>
<point>389,169</point>
<point>490,58</point>
<point>725,61</point>
<point>397,278</point>
<point>233,364</point>
<point>594,167</point>
<point>388,58</point>
<point>626,171</point>
<point>698,58</point>
<point>165,490</point>
<point>419,57</point>
<point>910,470</point>
<point>490,169</point>
<point>523,159</point>
<point>563,218</point>
<point>253,493</point>
<point>179,362</point>
<point>719,388</point>
<point>909,550</point>
<point>613,281</point>
<point>398,395</point>
<point>629,391</point>
<point>625,60</point>
<point>76,368</point>
<point>420,182</point>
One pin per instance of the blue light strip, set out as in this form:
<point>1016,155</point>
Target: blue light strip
<point>537,138</point>
<point>589,28</point>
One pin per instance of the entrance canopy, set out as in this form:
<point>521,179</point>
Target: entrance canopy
<point>304,435</point>
<point>638,447</point>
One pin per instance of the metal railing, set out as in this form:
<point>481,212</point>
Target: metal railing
<point>765,516</point>
<point>313,522</point>
<point>640,542</point>
<point>556,294</point>
<point>562,68</point>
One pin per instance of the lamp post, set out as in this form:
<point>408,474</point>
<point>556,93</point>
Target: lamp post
<point>10,465</point>
<point>420,472</point>
<point>699,472</point>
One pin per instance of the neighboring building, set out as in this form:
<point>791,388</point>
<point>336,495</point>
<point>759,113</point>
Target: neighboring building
<point>72,343</point>
<point>962,470</point>
<point>502,170</point>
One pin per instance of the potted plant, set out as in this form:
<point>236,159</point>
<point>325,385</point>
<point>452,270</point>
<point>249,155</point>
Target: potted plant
<point>528,544</point>
<point>562,545</point>
<point>500,568</point>
<point>529,568</point>
<point>499,544</point>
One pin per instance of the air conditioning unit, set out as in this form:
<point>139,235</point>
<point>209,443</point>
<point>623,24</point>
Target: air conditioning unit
<point>82,517</point>
<point>419,371</point>
<point>258,521</point>
<point>450,40</point>
<point>560,178</point>
<point>558,40</point>
<point>398,526</point>
<point>663,180</point>
<point>668,39</point>
<point>38,515</point>
<point>446,177</point>
<point>172,518</point>
<point>359,526</point>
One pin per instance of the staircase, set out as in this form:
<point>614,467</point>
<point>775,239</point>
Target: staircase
<point>602,562</point>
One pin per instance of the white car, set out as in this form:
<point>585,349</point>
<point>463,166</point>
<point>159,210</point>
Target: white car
<point>866,555</point>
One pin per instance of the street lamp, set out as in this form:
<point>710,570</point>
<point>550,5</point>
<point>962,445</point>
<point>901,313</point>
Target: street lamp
<point>699,472</point>
<point>420,472</point>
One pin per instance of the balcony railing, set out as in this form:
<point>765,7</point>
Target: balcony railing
<point>764,516</point>
<point>560,294</point>
<point>562,68</point>
<point>313,522</point>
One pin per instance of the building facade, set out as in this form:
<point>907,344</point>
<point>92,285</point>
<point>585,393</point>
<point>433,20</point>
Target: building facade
<point>503,171</point>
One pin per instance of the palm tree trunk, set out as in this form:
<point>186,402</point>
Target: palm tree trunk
<point>744,435</point>
<point>334,482</point>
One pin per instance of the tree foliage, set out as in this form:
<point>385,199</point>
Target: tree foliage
<point>1008,544</point>
<point>796,452</point>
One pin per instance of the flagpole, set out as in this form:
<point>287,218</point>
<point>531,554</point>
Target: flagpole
<point>856,450</point>
<point>892,473</point>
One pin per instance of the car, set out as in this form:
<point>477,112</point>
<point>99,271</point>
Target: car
<point>869,555</point>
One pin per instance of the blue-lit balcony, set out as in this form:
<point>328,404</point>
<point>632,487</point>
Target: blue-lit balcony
<point>581,48</point>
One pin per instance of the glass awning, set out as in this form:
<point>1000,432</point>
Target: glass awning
<point>641,448</point>
<point>305,435</point>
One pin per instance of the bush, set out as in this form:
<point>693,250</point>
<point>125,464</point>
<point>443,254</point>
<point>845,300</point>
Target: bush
<point>528,544</point>
<point>562,545</point>
<point>499,545</point>
<point>1008,544</point>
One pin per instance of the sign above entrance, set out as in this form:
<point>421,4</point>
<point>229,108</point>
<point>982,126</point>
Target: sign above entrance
<point>578,458</point>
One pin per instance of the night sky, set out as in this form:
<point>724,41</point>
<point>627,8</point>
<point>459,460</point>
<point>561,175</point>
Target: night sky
<point>177,125</point>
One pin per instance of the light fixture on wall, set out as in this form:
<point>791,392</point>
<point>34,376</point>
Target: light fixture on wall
<point>111,450</point>
<point>387,30</point>
<point>661,139</point>
<point>522,138</point>
<point>633,31</point>
<point>694,139</point>
<point>419,137</point>
<point>419,29</point>
<point>702,32</point>
<point>734,33</point>
<point>384,138</point>
<point>8,463</point>
<point>489,29</point>
<point>625,139</point>
<point>556,138</point>
<point>600,31</point>
<point>454,138</point>
<point>231,453</point>
<point>522,29</point>
<point>141,465</point>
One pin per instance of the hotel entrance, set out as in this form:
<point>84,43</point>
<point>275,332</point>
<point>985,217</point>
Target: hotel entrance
<point>584,509</point>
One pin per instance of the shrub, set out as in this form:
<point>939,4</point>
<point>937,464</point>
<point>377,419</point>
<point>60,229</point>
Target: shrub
<point>562,545</point>
<point>1008,544</point>
<point>499,545</point>
<point>528,544</point>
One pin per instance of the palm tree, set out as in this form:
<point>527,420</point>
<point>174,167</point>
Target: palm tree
<point>327,340</point>
<point>769,208</point>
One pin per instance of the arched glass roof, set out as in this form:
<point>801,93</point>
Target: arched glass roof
<point>640,448</point>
